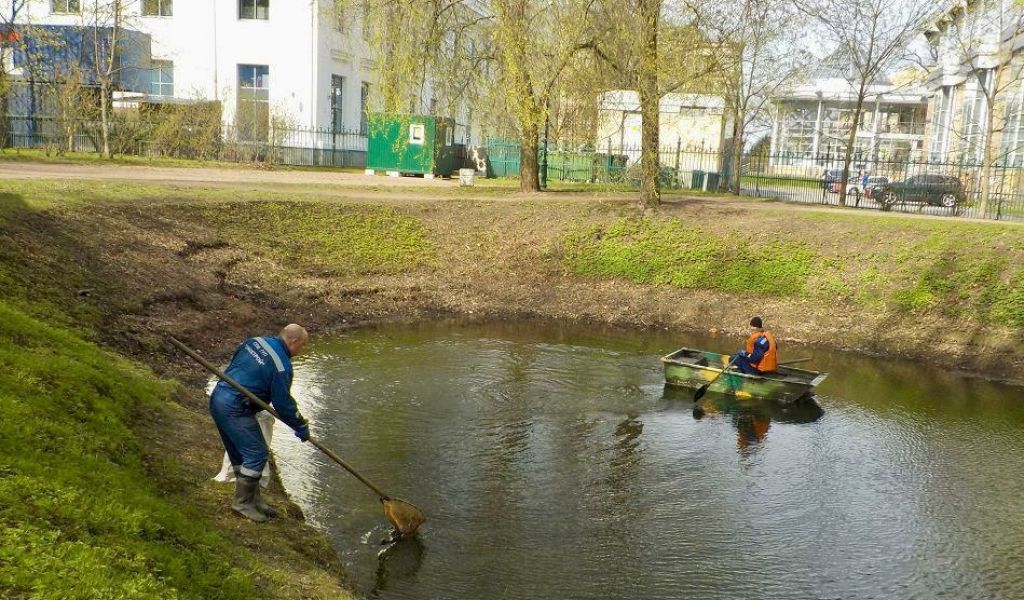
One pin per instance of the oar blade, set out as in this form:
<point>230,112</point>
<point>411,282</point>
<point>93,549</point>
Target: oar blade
<point>701,391</point>
<point>405,517</point>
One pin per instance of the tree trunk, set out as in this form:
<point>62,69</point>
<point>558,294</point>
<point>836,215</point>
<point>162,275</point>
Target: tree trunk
<point>850,144</point>
<point>647,88</point>
<point>736,157</point>
<point>105,120</point>
<point>4,93</point>
<point>987,157</point>
<point>985,187</point>
<point>529,170</point>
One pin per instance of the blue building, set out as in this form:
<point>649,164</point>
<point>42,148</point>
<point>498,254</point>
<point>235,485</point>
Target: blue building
<point>46,55</point>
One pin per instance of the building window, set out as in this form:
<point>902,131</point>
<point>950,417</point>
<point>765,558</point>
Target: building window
<point>975,108</point>
<point>364,106</point>
<point>65,6</point>
<point>337,103</point>
<point>161,82</point>
<point>417,133</point>
<point>253,113</point>
<point>254,9</point>
<point>1012,152</point>
<point>157,8</point>
<point>941,124</point>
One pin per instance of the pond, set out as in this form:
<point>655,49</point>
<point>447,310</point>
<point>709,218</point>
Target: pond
<point>553,463</point>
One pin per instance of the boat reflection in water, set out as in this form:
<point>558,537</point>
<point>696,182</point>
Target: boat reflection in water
<point>752,418</point>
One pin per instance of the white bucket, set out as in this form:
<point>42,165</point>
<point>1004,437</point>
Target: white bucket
<point>467,176</point>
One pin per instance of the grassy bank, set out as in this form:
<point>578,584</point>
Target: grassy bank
<point>966,272</point>
<point>912,286</point>
<point>104,465</point>
<point>80,518</point>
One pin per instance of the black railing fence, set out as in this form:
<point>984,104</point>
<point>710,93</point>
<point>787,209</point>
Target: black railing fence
<point>898,184</point>
<point>280,145</point>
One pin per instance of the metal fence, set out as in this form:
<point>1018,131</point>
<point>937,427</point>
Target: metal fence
<point>279,145</point>
<point>901,185</point>
<point>892,184</point>
<point>680,167</point>
<point>889,184</point>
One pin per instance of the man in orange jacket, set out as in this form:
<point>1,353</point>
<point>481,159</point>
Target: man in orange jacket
<point>761,354</point>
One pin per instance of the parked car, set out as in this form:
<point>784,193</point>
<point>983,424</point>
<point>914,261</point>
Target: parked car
<point>937,190</point>
<point>854,185</point>
<point>874,183</point>
<point>829,177</point>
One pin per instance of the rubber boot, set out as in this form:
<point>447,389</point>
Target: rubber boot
<point>262,505</point>
<point>244,504</point>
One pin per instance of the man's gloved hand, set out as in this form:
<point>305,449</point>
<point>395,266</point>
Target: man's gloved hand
<point>302,433</point>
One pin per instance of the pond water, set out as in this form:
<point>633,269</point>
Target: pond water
<point>553,463</point>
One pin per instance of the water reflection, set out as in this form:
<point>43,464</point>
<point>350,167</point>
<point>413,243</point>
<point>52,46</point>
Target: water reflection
<point>752,419</point>
<point>399,562</point>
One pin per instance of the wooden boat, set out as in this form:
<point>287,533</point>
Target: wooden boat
<point>691,368</point>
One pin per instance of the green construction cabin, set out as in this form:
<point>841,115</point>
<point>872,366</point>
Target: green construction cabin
<point>411,145</point>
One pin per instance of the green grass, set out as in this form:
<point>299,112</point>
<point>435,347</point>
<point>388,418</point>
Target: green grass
<point>668,251</point>
<point>334,239</point>
<point>965,272</point>
<point>78,516</point>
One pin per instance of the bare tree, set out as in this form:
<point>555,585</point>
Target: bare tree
<point>507,55</point>
<point>72,102</point>
<point>981,39</point>
<point>106,20</point>
<point>10,39</point>
<point>869,37</point>
<point>768,57</point>
<point>657,47</point>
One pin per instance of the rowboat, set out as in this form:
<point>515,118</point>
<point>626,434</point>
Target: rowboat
<point>691,368</point>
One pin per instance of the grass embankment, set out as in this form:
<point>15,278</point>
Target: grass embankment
<point>79,517</point>
<point>104,466</point>
<point>946,290</point>
<point>963,272</point>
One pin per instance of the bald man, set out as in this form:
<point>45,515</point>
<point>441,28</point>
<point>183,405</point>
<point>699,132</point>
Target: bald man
<point>263,366</point>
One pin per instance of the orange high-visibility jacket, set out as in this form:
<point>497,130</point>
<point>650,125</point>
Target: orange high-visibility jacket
<point>770,361</point>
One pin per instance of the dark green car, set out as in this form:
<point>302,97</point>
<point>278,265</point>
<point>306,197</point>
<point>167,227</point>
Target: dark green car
<point>937,190</point>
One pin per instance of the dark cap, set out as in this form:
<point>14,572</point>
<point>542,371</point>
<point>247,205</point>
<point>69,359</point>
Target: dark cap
<point>756,322</point>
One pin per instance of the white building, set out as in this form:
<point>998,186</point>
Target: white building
<point>689,122</point>
<point>813,121</point>
<point>296,59</point>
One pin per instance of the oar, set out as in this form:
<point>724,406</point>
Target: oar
<point>405,516</point>
<point>704,388</point>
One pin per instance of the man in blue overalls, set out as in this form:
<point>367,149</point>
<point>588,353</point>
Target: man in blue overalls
<point>263,366</point>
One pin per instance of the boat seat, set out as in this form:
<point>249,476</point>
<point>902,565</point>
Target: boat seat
<point>701,362</point>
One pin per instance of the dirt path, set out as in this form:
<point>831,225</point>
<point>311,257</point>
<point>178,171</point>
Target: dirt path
<point>206,175</point>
